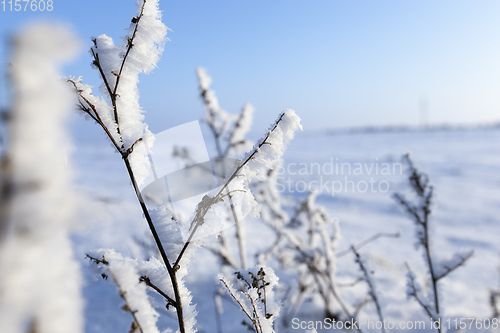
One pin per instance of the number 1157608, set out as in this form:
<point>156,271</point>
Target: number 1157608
<point>27,5</point>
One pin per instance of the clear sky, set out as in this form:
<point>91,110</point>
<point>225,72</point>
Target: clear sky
<point>336,63</point>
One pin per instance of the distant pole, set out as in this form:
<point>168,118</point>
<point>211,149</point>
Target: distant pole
<point>423,108</point>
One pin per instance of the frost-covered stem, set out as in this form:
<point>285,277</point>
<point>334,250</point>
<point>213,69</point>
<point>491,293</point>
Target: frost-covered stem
<point>145,211</point>
<point>129,47</point>
<point>221,154</point>
<point>269,251</point>
<point>414,293</point>
<point>124,296</point>
<point>420,184</point>
<point>324,294</point>
<point>95,116</point>
<point>368,241</point>
<point>371,287</point>
<point>317,274</point>
<point>335,294</point>
<point>199,217</point>
<point>239,231</point>
<point>113,92</point>
<point>147,281</point>
<point>448,269</point>
<point>231,135</point>
<point>241,305</point>
<point>218,322</point>
<point>225,258</point>
<point>255,313</point>
<point>171,271</point>
<point>97,63</point>
<point>297,303</point>
<point>360,306</point>
<point>217,139</point>
<point>239,235</point>
<point>429,257</point>
<point>425,241</point>
<point>351,284</point>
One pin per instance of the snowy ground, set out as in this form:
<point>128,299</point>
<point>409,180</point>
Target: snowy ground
<point>463,166</point>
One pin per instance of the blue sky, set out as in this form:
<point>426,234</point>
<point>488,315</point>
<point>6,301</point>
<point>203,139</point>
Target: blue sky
<point>336,63</point>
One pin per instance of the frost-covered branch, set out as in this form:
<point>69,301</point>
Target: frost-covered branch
<point>121,116</point>
<point>420,214</point>
<point>413,290</point>
<point>255,296</point>
<point>313,258</point>
<point>147,281</point>
<point>122,290</point>
<point>419,183</point>
<point>236,140</point>
<point>90,109</point>
<point>219,123</point>
<point>270,148</point>
<point>371,288</point>
<point>445,267</point>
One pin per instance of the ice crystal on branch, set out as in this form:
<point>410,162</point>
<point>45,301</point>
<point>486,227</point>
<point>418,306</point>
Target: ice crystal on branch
<point>272,146</point>
<point>255,296</point>
<point>121,115</point>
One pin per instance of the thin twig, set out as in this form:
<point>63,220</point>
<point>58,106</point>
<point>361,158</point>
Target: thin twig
<point>448,270</point>
<point>371,287</point>
<point>316,272</point>
<point>97,118</point>
<point>98,261</point>
<point>147,281</point>
<point>420,184</point>
<point>129,47</point>
<point>414,293</point>
<point>222,155</point>
<point>125,154</point>
<point>152,228</point>
<point>368,241</point>
<point>97,63</point>
<point>351,284</point>
<point>239,303</point>
<point>199,217</point>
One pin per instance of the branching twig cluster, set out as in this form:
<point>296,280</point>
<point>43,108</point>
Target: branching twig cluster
<point>312,257</point>
<point>420,214</point>
<point>109,115</point>
<point>90,109</point>
<point>371,288</point>
<point>253,296</point>
<point>229,132</point>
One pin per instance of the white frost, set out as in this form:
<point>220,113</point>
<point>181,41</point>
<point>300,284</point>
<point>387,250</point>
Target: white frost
<point>272,146</point>
<point>125,273</point>
<point>237,142</point>
<point>121,66</point>
<point>40,280</point>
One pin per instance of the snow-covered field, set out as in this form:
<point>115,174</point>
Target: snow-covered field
<point>462,165</point>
